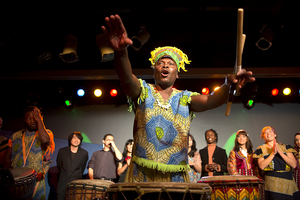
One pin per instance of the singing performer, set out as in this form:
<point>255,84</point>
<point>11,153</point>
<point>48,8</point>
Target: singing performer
<point>162,114</point>
<point>277,161</point>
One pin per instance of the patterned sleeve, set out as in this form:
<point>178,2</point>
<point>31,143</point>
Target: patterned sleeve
<point>258,153</point>
<point>290,149</point>
<point>142,97</point>
<point>231,164</point>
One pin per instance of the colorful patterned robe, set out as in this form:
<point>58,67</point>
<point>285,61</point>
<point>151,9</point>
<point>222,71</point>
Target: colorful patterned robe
<point>278,176</point>
<point>161,134</point>
<point>35,156</point>
<point>238,164</point>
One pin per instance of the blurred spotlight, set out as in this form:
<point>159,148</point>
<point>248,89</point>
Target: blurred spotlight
<point>274,92</point>
<point>251,97</point>
<point>113,92</point>
<point>205,90</point>
<point>68,103</point>
<point>286,91</point>
<point>97,92</point>
<point>216,88</point>
<point>80,92</point>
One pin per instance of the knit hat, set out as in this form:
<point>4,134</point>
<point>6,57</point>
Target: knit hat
<point>176,54</point>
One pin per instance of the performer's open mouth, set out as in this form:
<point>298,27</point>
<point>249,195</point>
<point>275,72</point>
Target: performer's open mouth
<point>165,73</point>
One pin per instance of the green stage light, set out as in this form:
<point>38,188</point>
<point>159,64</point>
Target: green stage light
<point>68,103</point>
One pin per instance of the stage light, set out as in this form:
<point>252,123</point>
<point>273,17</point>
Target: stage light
<point>216,88</point>
<point>286,91</point>
<point>69,54</point>
<point>68,103</point>
<point>250,103</point>
<point>205,90</point>
<point>251,96</point>
<point>266,38</point>
<point>80,92</point>
<point>140,39</point>
<point>274,92</point>
<point>97,92</point>
<point>113,92</point>
<point>107,53</point>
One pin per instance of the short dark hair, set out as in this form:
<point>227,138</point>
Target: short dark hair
<point>215,132</point>
<point>29,109</point>
<point>78,135</point>
<point>108,134</point>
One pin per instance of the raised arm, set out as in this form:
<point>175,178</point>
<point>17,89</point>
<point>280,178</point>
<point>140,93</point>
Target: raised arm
<point>42,132</point>
<point>116,34</point>
<point>219,97</point>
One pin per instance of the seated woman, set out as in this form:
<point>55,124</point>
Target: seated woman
<point>277,161</point>
<point>240,161</point>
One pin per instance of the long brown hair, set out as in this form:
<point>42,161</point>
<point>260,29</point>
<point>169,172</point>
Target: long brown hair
<point>249,145</point>
<point>295,145</point>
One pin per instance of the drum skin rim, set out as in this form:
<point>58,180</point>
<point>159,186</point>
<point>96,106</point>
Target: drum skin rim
<point>232,179</point>
<point>151,187</point>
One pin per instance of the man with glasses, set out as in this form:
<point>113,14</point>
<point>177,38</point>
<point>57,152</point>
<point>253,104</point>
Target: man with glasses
<point>103,163</point>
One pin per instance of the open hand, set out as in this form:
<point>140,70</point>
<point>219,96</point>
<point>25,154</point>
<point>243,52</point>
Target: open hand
<point>116,33</point>
<point>37,114</point>
<point>244,77</point>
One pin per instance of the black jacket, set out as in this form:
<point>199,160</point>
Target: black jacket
<point>69,169</point>
<point>219,157</point>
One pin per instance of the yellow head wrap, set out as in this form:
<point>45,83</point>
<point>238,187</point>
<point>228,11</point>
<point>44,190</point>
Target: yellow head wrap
<point>176,54</point>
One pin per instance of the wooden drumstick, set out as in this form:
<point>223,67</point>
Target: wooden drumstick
<point>238,63</point>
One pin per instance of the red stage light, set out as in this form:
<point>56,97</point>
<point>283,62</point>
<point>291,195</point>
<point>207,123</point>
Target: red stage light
<point>205,90</point>
<point>113,92</point>
<point>275,92</point>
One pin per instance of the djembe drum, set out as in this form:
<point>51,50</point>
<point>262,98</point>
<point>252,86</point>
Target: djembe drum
<point>87,189</point>
<point>158,190</point>
<point>18,183</point>
<point>235,187</point>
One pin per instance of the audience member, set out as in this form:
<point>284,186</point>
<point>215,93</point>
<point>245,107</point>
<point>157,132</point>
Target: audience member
<point>240,160</point>
<point>127,155</point>
<point>103,163</point>
<point>32,146</point>
<point>277,162</point>
<point>214,158</point>
<point>297,156</point>
<point>194,161</point>
<point>71,162</point>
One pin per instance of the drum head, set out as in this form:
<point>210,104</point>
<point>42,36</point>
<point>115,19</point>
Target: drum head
<point>92,182</point>
<point>199,188</point>
<point>227,178</point>
<point>21,172</point>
